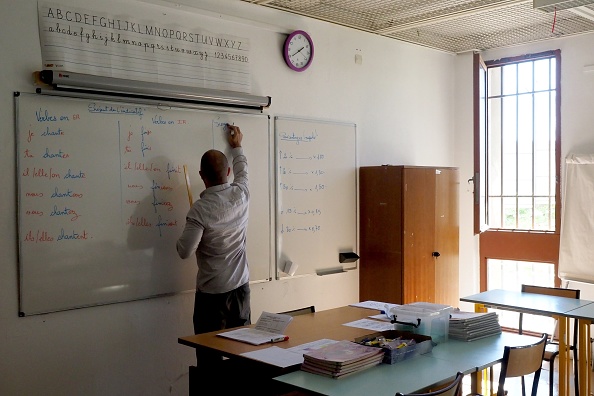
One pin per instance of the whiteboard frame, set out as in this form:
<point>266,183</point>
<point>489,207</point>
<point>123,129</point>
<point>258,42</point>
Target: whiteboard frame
<point>322,271</point>
<point>172,104</point>
<point>157,104</point>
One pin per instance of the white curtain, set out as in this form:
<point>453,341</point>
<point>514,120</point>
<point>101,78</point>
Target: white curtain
<point>576,249</point>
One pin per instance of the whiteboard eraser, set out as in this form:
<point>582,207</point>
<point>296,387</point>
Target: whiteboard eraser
<point>290,268</point>
<point>348,257</point>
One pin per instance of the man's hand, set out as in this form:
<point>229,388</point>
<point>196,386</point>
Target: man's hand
<point>235,136</point>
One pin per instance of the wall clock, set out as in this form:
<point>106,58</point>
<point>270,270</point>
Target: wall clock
<point>298,50</point>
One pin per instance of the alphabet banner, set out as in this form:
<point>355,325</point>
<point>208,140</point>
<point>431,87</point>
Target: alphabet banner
<point>154,49</point>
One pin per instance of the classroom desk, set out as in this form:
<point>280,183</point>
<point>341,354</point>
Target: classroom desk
<point>435,368</point>
<point>539,304</point>
<point>302,329</point>
<point>412,375</point>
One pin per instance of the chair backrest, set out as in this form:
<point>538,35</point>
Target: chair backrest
<point>522,360</point>
<point>452,389</point>
<point>549,291</point>
<point>300,311</point>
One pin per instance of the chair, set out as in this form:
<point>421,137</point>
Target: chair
<point>300,311</point>
<point>453,389</point>
<point>519,361</point>
<point>552,349</point>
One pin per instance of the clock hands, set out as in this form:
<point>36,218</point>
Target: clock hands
<point>298,51</point>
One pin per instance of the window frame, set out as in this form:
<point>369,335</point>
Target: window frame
<point>511,244</point>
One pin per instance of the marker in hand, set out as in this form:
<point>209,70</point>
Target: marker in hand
<point>280,339</point>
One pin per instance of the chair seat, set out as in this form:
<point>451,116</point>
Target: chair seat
<point>552,350</point>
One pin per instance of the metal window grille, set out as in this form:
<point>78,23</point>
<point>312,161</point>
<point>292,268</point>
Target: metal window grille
<point>521,135</point>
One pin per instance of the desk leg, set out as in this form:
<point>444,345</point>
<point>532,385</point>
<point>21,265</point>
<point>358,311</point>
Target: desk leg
<point>481,382</point>
<point>564,362</point>
<point>584,356</point>
<point>193,380</point>
<point>476,383</point>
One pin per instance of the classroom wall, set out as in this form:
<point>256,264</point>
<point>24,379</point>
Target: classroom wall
<point>412,105</point>
<point>399,98</point>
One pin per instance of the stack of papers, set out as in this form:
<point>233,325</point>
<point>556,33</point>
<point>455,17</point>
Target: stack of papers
<point>341,358</point>
<point>470,326</point>
<point>270,327</point>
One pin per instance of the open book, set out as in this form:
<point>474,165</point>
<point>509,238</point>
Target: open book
<point>270,327</point>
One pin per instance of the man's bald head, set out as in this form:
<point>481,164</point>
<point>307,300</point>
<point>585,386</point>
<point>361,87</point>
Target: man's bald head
<point>214,168</point>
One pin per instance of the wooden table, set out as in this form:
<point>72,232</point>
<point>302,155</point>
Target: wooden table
<point>302,329</point>
<point>422,372</point>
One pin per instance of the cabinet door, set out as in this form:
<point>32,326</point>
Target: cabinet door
<point>380,222</point>
<point>447,237</point>
<point>419,235</point>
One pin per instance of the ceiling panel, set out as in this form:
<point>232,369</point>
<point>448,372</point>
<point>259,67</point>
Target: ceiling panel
<point>450,25</point>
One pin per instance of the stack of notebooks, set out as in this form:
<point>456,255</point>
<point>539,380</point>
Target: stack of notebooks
<point>341,359</point>
<point>470,326</point>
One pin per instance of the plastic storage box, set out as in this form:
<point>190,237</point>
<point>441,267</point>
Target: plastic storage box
<point>422,344</point>
<point>423,318</point>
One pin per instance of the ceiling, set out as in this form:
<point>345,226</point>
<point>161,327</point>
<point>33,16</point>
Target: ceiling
<point>454,26</point>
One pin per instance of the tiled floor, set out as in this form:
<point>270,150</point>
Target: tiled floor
<point>514,387</point>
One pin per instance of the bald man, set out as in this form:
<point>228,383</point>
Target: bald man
<point>215,231</point>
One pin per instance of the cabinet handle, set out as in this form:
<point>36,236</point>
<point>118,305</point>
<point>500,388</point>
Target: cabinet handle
<point>435,254</point>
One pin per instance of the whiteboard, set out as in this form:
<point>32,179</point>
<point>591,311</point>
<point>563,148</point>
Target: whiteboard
<point>576,245</point>
<point>102,198</point>
<point>316,188</point>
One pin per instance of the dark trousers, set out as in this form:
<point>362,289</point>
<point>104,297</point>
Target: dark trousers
<point>220,311</point>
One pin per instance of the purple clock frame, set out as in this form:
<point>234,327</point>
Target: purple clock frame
<point>286,50</point>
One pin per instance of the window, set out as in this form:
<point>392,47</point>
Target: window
<point>521,137</point>
<point>510,275</point>
<point>517,164</point>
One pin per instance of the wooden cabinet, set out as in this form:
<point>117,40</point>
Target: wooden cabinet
<point>409,233</point>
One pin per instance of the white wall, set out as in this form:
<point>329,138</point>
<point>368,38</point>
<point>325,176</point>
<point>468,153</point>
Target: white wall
<point>399,98</point>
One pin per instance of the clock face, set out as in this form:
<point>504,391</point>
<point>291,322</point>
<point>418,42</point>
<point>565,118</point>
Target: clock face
<point>298,50</point>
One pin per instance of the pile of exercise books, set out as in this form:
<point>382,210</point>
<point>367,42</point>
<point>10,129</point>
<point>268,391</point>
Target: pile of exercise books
<point>470,326</point>
<point>341,359</point>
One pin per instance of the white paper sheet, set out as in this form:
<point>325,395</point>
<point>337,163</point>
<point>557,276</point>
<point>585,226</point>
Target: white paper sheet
<point>286,357</point>
<point>269,328</point>
<point>379,305</point>
<point>276,356</point>
<point>371,324</point>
